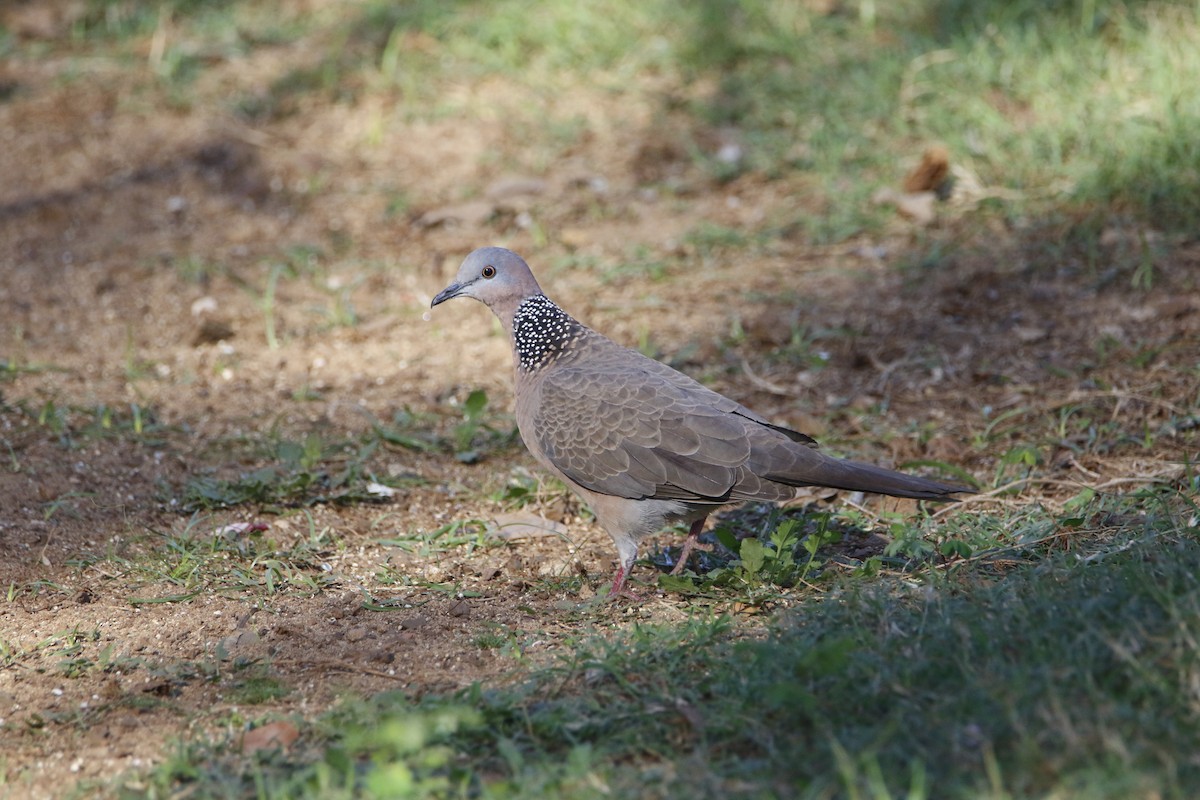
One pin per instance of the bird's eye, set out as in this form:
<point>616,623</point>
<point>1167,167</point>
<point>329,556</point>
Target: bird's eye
<point>489,271</point>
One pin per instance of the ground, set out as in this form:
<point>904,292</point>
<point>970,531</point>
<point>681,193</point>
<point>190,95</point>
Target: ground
<point>185,293</point>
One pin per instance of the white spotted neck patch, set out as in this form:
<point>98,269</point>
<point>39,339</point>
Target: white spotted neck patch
<point>541,331</point>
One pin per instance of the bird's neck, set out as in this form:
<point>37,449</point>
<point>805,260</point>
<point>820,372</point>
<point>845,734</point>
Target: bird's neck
<point>541,333</point>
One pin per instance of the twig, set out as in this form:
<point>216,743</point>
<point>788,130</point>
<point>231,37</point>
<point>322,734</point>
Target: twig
<point>339,666</point>
<point>1163,477</point>
<point>763,383</point>
<point>42,556</point>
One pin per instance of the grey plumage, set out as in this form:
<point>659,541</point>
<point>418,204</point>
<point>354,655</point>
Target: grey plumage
<point>643,444</point>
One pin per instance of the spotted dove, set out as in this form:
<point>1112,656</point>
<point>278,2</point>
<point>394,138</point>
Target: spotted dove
<point>644,445</point>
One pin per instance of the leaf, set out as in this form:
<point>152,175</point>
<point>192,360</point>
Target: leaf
<point>727,538</point>
<point>474,407</point>
<point>311,455</point>
<point>753,555</point>
<point>955,547</point>
<point>394,436</point>
<point>678,584</point>
<point>290,453</point>
<point>784,538</point>
<point>1080,500</point>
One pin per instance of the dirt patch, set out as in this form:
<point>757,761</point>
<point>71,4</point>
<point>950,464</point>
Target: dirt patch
<point>177,284</point>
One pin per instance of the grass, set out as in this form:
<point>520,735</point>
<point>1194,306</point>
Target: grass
<point>1071,674</point>
<point>314,470</point>
<point>303,473</point>
<point>1073,105</point>
<point>73,426</point>
<point>201,555</point>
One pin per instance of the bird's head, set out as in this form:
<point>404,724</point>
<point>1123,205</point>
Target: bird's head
<point>498,278</point>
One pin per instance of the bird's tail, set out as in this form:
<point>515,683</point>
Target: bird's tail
<point>856,477</point>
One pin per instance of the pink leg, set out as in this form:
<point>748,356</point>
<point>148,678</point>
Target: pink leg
<point>689,544</point>
<point>618,582</point>
<point>619,591</point>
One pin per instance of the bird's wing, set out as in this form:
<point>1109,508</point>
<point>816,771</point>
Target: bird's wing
<point>638,429</point>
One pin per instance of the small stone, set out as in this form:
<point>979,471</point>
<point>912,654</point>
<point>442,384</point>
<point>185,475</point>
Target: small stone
<point>212,331</point>
<point>414,622</point>
<point>203,305</point>
<point>240,641</point>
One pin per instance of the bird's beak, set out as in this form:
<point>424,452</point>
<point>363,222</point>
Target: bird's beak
<point>453,290</point>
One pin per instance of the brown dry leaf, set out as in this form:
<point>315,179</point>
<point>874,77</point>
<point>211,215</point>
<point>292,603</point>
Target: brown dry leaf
<point>690,713</point>
<point>280,734</point>
<point>745,608</point>
<point>931,172</point>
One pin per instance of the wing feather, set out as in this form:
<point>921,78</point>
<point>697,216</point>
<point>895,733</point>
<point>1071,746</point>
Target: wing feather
<point>639,431</point>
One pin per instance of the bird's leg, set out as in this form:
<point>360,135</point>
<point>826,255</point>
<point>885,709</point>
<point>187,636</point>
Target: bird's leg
<point>618,581</point>
<point>619,590</point>
<point>626,556</point>
<point>689,544</point>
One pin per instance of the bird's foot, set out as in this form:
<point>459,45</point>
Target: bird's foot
<point>688,547</point>
<point>620,591</point>
<point>626,595</point>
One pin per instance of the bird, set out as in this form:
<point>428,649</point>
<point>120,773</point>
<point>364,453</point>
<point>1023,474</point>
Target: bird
<point>642,444</point>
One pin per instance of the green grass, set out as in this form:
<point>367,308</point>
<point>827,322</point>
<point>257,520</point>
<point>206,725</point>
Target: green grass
<point>300,472</point>
<point>1084,106</point>
<point>315,469</point>
<point>203,556</point>
<point>1074,104</point>
<point>74,425</point>
<point>1072,674</point>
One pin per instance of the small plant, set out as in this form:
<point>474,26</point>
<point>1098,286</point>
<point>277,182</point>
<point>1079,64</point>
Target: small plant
<point>341,312</point>
<point>398,752</point>
<point>709,239</point>
<point>63,503</point>
<point>464,432</point>
<point>468,532</point>
<point>467,439</point>
<point>257,688</point>
<point>1143,275</point>
<point>9,653</point>
<point>101,421</point>
<point>1021,459</point>
<point>194,269</point>
<point>520,491</point>
<point>302,474</point>
<point>760,569</point>
<point>908,542</point>
<point>240,557</point>
<point>474,433</point>
<point>759,564</point>
<point>409,430</point>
